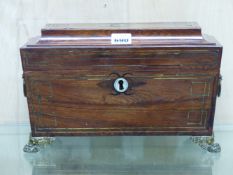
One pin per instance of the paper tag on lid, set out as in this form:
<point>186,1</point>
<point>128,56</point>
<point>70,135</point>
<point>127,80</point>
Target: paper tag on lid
<point>121,38</point>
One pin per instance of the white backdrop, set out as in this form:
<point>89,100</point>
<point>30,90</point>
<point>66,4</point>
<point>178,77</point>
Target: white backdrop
<point>22,19</point>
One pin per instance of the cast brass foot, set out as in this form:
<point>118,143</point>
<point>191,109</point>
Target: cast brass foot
<point>36,143</point>
<point>207,143</point>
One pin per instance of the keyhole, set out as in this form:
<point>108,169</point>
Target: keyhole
<point>120,84</point>
<point>121,87</point>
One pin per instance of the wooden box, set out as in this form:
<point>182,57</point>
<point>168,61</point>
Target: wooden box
<point>121,79</point>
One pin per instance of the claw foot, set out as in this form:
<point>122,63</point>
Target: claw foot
<point>207,143</point>
<point>36,143</point>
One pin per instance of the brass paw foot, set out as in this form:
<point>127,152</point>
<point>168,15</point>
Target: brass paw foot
<point>36,143</point>
<point>207,143</point>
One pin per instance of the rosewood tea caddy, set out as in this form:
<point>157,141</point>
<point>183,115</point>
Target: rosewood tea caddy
<point>122,79</point>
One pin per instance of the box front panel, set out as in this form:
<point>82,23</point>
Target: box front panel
<point>88,104</point>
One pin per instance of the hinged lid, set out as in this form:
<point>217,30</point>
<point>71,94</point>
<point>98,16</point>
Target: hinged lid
<point>147,34</point>
<point>136,29</point>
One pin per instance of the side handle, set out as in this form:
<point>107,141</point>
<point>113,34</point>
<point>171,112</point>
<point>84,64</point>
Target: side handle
<point>219,86</point>
<point>24,88</point>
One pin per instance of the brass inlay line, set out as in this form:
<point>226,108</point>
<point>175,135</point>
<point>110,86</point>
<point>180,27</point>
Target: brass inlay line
<point>204,89</point>
<point>206,93</point>
<point>121,128</point>
<point>157,78</point>
<point>203,116</point>
<point>104,77</point>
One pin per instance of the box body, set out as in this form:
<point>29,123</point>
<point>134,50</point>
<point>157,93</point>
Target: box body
<point>171,71</point>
